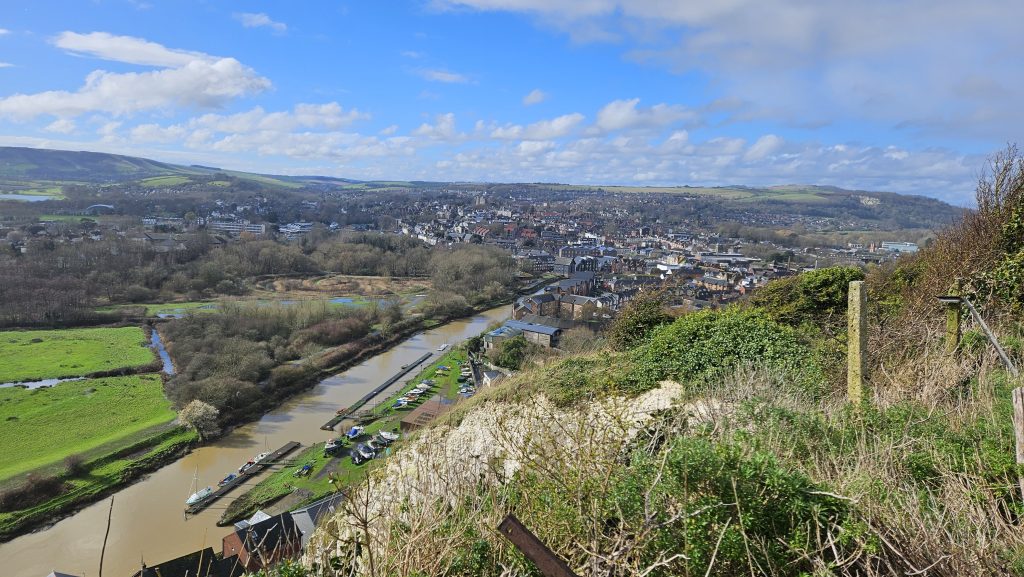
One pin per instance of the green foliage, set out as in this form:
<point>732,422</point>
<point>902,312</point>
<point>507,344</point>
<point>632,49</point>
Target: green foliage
<point>703,346</point>
<point>510,353</point>
<point>809,297</point>
<point>637,319</point>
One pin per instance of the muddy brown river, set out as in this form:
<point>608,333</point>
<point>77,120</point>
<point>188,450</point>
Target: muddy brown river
<point>148,522</point>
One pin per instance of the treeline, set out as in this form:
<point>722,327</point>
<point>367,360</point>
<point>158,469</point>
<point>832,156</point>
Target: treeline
<point>244,354</point>
<point>62,283</point>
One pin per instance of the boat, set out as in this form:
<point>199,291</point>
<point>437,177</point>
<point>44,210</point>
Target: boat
<point>332,444</point>
<point>341,411</point>
<point>246,466</point>
<point>304,470</point>
<point>199,496</point>
<point>228,479</point>
<point>389,435</point>
<point>355,432</point>
<point>261,456</point>
<point>442,347</point>
<point>400,403</point>
<point>362,454</point>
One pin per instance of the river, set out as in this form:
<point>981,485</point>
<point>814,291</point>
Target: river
<point>148,522</point>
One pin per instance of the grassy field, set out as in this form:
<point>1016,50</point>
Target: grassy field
<point>34,355</point>
<point>100,475</point>
<point>42,426</point>
<point>161,181</point>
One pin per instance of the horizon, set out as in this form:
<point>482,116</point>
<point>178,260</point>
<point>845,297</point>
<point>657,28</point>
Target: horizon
<point>875,97</point>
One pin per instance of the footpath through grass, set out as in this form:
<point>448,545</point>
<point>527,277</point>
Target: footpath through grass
<point>39,427</point>
<point>35,355</point>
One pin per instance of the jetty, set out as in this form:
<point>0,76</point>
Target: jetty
<point>271,459</point>
<point>341,416</point>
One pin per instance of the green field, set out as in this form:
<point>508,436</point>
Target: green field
<point>42,426</point>
<point>161,181</point>
<point>35,355</point>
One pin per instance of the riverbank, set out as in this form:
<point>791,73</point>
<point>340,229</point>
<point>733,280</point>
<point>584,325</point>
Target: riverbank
<point>330,473</point>
<point>95,480</point>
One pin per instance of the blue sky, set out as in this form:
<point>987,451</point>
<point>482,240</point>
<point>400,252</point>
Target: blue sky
<point>908,96</point>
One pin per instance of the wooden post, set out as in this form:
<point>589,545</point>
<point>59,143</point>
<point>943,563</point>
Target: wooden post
<point>953,313</point>
<point>550,565</point>
<point>857,342</point>
<point>1018,430</point>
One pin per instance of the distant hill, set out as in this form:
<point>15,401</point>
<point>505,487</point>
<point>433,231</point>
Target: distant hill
<point>45,172</point>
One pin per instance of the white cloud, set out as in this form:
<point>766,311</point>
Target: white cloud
<point>766,145</point>
<point>536,96</point>
<point>412,54</point>
<point>912,63</point>
<point>128,49</point>
<point>4,31</point>
<point>185,79</point>
<point>61,126</point>
<point>445,76</point>
<point>258,20</point>
<point>389,130</point>
<point>5,65</point>
<point>624,115</point>
<point>542,130</point>
<point>442,129</point>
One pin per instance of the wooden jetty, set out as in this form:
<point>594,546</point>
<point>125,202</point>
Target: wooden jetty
<point>271,459</point>
<point>342,415</point>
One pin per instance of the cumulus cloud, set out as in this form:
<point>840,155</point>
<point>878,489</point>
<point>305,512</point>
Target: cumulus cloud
<point>541,130</point>
<point>183,79</point>
<point>61,126</point>
<point>940,67</point>
<point>442,129</point>
<point>536,96</point>
<point>766,145</point>
<point>259,20</point>
<point>625,115</point>
<point>445,76</point>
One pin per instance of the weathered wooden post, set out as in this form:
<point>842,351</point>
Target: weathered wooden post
<point>857,342</point>
<point>547,562</point>
<point>1018,430</point>
<point>954,313</point>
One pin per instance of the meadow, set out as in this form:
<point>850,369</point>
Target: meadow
<point>39,427</point>
<point>35,355</point>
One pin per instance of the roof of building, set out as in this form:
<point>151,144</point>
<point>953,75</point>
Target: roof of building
<point>308,517</point>
<point>533,328</point>
<point>270,534</point>
<point>578,300</point>
<point>203,563</point>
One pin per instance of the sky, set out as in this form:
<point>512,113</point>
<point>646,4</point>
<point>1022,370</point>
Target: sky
<point>907,96</point>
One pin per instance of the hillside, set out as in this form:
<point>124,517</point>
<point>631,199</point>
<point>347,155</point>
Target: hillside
<point>51,172</point>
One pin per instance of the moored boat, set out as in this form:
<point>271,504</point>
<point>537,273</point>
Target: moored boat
<point>199,496</point>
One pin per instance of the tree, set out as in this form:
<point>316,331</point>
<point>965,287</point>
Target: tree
<point>637,319</point>
<point>510,353</point>
<point>202,417</point>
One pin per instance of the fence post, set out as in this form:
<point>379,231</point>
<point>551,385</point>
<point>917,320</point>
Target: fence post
<point>1018,431</point>
<point>857,342</point>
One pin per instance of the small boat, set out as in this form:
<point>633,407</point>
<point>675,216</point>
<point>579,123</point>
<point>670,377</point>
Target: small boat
<point>400,403</point>
<point>246,466</point>
<point>228,479</point>
<point>199,496</point>
<point>341,411</point>
<point>261,456</point>
<point>355,432</point>
<point>388,436</point>
<point>303,470</point>
<point>442,347</point>
<point>332,444</point>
